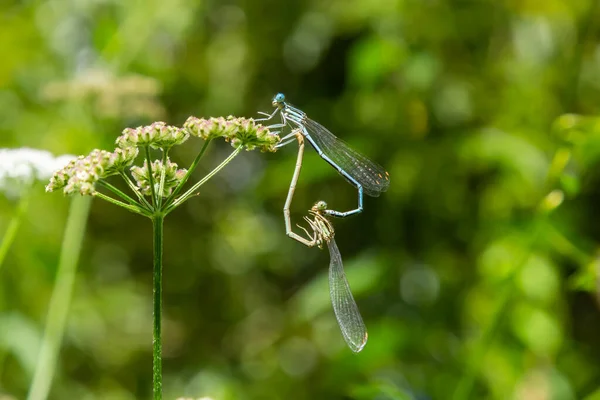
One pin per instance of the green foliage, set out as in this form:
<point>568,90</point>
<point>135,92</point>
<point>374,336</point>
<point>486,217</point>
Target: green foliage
<point>476,273</point>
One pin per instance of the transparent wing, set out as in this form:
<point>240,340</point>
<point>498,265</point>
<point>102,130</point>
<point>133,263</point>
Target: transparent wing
<point>346,311</point>
<point>372,176</point>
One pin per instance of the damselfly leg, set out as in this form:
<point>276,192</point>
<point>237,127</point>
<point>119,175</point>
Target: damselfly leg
<point>312,239</point>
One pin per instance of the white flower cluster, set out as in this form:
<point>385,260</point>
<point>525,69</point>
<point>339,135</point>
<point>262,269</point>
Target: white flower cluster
<point>21,167</point>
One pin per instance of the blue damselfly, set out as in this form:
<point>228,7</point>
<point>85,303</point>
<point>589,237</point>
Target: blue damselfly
<point>367,176</point>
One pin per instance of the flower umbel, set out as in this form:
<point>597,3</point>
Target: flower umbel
<point>252,135</point>
<point>120,159</point>
<point>173,177</point>
<point>239,131</point>
<point>157,135</point>
<point>81,174</point>
<point>209,129</point>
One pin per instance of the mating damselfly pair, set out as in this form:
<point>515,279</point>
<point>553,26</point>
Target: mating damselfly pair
<point>365,175</point>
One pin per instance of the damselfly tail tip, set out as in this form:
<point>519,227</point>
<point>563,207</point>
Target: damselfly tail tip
<point>357,347</point>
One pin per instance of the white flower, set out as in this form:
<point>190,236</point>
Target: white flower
<point>20,168</point>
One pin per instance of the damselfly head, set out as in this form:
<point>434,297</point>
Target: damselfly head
<point>321,226</point>
<point>319,206</point>
<point>278,100</point>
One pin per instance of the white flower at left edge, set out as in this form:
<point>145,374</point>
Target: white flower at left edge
<point>21,167</point>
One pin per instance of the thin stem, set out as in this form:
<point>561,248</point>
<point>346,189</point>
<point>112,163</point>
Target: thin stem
<point>191,191</point>
<point>161,185</point>
<point>13,226</point>
<point>135,209</point>
<point>61,298</point>
<point>187,174</point>
<point>135,190</point>
<point>151,178</point>
<point>157,225</point>
<point>120,193</point>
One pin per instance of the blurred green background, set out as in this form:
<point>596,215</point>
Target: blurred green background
<point>469,289</point>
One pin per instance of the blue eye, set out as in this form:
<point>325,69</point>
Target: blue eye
<point>279,97</point>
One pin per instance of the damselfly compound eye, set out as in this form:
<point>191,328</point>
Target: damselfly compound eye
<point>320,205</point>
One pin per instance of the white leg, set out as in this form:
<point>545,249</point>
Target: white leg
<point>288,201</point>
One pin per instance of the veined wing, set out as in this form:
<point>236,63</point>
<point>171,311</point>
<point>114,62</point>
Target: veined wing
<point>346,311</point>
<point>372,176</point>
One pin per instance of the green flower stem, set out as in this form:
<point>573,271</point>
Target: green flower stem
<point>161,185</point>
<point>13,226</point>
<point>135,209</point>
<point>193,189</point>
<point>135,190</point>
<point>157,225</point>
<point>119,193</point>
<point>187,174</point>
<point>61,298</point>
<point>151,178</point>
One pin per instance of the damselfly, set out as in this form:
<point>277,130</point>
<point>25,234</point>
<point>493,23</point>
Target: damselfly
<point>346,311</point>
<point>367,176</point>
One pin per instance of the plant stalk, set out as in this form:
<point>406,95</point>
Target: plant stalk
<point>135,190</point>
<point>151,179</point>
<point>157,225</point>
<point>187,174</point>
<point>60,301</point>
<point>135,209</point>
<point>13,226</point>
